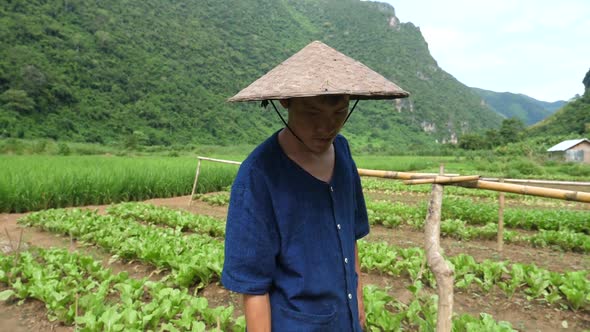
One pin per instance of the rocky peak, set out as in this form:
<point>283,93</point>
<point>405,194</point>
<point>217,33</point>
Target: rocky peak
<point>586,81</point>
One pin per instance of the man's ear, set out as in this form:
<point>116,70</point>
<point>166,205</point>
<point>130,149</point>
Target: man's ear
<point>285,103</point>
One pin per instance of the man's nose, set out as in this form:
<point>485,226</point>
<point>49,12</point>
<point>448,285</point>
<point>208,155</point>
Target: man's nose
<point>329,123</point>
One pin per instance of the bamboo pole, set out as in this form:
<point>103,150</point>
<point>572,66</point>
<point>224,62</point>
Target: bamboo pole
<point>442,272</point>
<point>221,160</point>
<point>231,162</point>
<point>190,200</point>
<point>397,175</point>
<point>539,182</point>
<point>501,221</point>
<point>567,195</point>
<point>444,179</point>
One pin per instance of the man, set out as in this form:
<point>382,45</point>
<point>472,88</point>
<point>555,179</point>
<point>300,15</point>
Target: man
<point>297,206</point>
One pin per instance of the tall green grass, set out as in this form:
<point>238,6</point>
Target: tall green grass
<point>34,182</point>
<point>29,183</point>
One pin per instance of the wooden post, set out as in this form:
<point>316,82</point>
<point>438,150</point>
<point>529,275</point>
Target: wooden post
<point>190,200</point>
<point>501,221</point>
<point>442,272</point>
<point>231,162</point>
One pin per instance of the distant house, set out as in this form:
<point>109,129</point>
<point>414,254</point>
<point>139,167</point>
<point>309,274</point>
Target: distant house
<point>576,150</point>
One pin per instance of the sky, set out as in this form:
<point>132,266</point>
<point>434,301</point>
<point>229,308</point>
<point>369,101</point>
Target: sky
<point>540,48</point>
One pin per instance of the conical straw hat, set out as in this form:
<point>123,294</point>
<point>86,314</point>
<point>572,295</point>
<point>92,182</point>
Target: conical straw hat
<point>320,70</point>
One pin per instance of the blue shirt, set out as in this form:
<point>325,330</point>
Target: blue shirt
<point>292,235</point>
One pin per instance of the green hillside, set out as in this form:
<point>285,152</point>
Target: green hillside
<point>573,118</point>
<point>159,72</point>
<point>512,105</point>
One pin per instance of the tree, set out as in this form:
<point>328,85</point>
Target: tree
<point>511,130</point>
<point>472,142</point>
<point>493,138</point>
<point>17,100</point>
<point>34,80</point>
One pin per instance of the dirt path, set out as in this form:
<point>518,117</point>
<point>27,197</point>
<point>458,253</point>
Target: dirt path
<point>523,315</point>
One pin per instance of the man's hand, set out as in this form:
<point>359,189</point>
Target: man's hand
<point>359,289</point>
<point>361,303</point>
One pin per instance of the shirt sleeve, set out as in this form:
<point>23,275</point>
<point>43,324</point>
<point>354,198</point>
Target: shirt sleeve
<point>251,238</point>
<point>361,219</point>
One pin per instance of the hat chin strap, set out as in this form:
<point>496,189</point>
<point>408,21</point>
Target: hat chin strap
<point>291,130</point>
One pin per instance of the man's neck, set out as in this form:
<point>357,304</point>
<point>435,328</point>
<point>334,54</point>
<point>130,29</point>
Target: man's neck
<point>296,149</point>
<point>319,165</point>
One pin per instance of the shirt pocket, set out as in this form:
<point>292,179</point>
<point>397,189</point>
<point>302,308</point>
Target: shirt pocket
<point>289,320</point>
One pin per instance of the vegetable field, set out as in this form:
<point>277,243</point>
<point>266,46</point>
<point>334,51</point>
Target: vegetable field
<point>156,265</point>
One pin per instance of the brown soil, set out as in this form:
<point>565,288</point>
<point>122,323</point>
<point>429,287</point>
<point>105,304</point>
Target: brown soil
<point>522,314</point>
<point>405,236</point>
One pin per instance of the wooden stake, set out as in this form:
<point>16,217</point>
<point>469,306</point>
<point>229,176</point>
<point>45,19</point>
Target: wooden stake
<point>231,162</point>
<point>20,240</point>
<point>72,246</point>
<point>75,321</point>
<point>501,221</point>
<point>190,201</point>
<point>9,240</point>
<point>442,272</point>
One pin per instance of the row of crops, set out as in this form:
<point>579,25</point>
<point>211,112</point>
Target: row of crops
<point>536,283</point>
<point>571,289</point>
<point>78,290</point>
<point>190,248</point>
<point>464,219</point>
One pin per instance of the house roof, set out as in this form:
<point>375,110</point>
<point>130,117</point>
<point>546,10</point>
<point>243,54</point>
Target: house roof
<point>566,145</point>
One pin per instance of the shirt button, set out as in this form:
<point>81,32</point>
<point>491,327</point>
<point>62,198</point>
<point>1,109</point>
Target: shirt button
<point>349,296</point>
<point>346,260</point>
<point>331,188</point>
<point>338,226</point>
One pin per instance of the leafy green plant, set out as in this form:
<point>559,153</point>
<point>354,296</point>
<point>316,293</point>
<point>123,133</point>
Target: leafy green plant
<point>479,221</point>
<point>192,259</point>
<point>535,282</point>
<point>170,217</point>
<point>385,313</point>
<point>218,199</point>
<point>70,283</point>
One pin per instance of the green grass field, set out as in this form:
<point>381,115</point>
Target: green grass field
<point>35,181</point>
<point>29,183</point>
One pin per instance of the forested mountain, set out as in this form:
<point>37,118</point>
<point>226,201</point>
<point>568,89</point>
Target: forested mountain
<point>160,71</point>
<point>573,118</point>
<point>523,107</point>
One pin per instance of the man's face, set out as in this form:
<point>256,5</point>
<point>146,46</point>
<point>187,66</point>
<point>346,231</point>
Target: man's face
<point>317,120</point>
